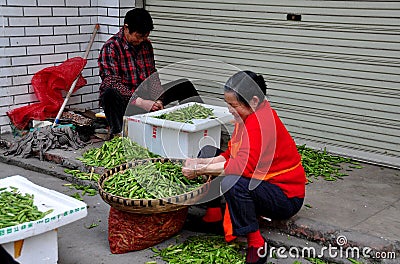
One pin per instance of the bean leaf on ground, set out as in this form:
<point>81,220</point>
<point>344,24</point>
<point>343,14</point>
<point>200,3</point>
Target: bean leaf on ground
<point>322,164</point>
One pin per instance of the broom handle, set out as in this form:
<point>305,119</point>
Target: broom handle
<point>71,89</point>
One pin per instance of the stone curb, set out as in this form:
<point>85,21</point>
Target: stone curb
<point>36,165</point>
<point>328,235</point>
<point>301,228</point>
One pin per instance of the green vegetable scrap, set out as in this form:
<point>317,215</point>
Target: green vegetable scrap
<point>90,176</point>
<point>202,250</point>
<point>115,152</point>
<point>187,114</point>
<point>18,208</point>
<point>92,225</point>
<point>85,190</point>
<point>353,261</point>
<point>320,163</point>
<point>150,181</point>
<point>77,196</point>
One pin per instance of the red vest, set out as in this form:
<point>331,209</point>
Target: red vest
<point>262,148</point>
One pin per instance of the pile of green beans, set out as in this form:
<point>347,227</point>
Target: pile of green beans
<point>88,176</point>
<point>320,163</point>
<point>115,152</point>
<point>202,250</point>
<point>151,181</point>
<point>187,114</point>
<point>16,208</point>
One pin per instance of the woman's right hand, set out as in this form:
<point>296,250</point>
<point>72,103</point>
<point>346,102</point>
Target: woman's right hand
<point>157,105</point>
<point>191,169</point>
<point>145,104</point>
<point>189,173</point>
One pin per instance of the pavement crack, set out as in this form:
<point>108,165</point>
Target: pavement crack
<point>374,214</point>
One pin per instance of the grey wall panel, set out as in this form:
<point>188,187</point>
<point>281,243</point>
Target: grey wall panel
<point>333,77</point>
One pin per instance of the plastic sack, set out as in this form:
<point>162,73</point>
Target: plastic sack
<point>48,85</point>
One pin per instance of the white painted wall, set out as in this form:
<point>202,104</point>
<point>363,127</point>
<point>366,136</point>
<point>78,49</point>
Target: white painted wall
<point>35,34</point>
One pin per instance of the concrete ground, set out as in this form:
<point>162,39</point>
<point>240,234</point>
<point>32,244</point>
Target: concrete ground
<point>361,211</point>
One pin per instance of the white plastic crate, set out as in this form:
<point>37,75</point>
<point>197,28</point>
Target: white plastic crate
<point>174,139</point>
<point>36,241</point>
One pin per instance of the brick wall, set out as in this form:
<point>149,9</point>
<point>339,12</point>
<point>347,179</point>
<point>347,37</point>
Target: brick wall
<point>42,33</point>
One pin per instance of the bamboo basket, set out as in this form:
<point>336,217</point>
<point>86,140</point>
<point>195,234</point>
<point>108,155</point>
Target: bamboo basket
<point>150,206</point>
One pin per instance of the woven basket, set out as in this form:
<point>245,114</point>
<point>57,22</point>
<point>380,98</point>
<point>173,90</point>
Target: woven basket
<point>150,206</point>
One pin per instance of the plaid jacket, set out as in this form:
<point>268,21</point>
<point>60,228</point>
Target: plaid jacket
<point>124,67</point>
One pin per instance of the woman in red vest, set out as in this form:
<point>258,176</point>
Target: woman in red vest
<point>262,170</point>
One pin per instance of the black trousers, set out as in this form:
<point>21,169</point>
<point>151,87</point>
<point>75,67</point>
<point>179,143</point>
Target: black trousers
<point>115,105</point>
<point>245,203</point>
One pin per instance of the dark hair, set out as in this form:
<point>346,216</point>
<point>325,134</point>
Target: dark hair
<point>245,85</point>
<point>139,20</point>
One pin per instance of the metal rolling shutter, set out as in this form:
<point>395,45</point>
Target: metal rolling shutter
<point>333,77</point>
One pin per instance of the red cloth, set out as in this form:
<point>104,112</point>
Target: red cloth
<point>261,146</point>
<point>48,84</point>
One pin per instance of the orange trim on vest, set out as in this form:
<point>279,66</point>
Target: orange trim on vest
<point>265,177</point>
<point>227,223</point>
<point>234,147</point>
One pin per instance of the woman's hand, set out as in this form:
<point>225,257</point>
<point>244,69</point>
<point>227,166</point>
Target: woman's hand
<point>203,166</point>
<point>193,171</point>
<point>192,168</point>
<point>158,105</point>
<point>145,104</point>
<point>191,163</point>
<point>149,105</point>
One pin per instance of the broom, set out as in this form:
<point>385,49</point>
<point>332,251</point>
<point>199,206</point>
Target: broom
<point>71,89</point>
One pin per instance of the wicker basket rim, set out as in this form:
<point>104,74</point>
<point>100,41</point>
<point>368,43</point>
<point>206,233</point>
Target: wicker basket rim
<point>105,176</point>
